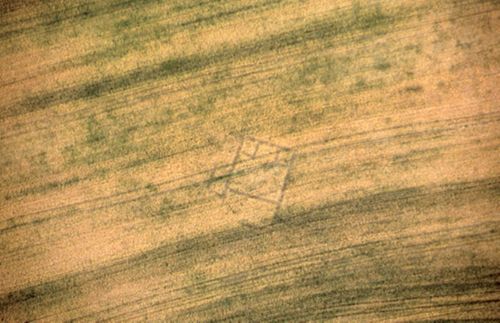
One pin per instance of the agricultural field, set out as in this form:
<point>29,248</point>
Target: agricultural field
<point>249,160</point>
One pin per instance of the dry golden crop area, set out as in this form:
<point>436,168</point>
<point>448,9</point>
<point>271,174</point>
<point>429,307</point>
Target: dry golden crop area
<point>249,160</point>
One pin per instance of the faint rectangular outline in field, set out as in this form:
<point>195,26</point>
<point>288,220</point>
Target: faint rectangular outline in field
<point>237,159</point>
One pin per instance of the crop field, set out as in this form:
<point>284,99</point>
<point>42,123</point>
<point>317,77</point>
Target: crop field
<point>249,160</point>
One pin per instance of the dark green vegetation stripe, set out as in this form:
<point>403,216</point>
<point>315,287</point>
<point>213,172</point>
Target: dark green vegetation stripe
<point>320,30</point>
<point>320,225</point>
<point>44,188</point>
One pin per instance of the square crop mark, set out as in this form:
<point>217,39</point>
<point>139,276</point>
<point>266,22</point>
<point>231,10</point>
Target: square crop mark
<point>257,176</point>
